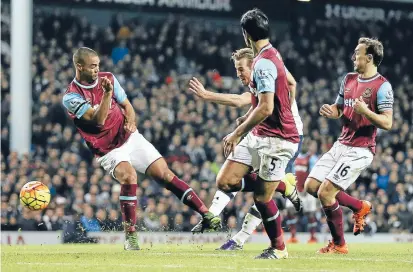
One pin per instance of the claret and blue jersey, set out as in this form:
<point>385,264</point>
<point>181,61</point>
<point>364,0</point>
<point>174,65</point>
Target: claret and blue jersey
<point>79,98</point>
<point>377,93</point>
<point>269,75</point>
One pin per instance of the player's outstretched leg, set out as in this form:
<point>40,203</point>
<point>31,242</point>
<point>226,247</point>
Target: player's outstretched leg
<point>251,221</point>
<point>229,181</point>
<point>327,195</point>
<point>253,218</point>
<point>360,208</point>
<point>160,171</point>
<point>219,202</point>
<point>127,177</point>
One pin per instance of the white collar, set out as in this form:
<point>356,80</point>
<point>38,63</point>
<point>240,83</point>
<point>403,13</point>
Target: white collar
<point>86,86</point>
<point>368,79</point>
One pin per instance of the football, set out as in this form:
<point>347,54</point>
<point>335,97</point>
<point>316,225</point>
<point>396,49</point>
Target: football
<point>35,195</point>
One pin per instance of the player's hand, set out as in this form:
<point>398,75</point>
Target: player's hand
<point>230,142</point>
<point>130,127</point>
<point>196,87</point>
<point>107,85</point>
<point>327,111</point>
<point>360,106</point>
<point>241,120</point>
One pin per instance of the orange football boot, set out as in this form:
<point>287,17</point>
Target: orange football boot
<point>331,248</point>
<point>293,240</point>
<point>312,240</point>
<point>360,216</point>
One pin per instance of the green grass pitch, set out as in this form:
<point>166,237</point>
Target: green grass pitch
<point>182,258</point>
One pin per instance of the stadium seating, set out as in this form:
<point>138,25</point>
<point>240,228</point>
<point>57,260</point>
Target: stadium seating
<point>153,63</point>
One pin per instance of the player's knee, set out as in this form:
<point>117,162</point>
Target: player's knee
<point>160,171</point>
<point>311,186</point>
<point>127,177</point>
<point>163,175</point>
<point>223,185</point>
<point>226,184</point>
<point>322,194</point>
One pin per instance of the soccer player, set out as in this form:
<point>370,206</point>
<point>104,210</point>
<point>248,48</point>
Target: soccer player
<point>271,134</point>
<point>364,103</point>
<point>243,59</point>
<point>105,119</point>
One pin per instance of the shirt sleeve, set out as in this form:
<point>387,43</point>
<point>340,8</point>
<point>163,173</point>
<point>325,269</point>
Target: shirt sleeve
<point>385,97</point>
<point>340,96</point>
<point>75,104</point>
<point>119,92</point>
<point>265,74</point>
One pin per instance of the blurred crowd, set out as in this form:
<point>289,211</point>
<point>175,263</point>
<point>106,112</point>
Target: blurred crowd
<point>153,60</point>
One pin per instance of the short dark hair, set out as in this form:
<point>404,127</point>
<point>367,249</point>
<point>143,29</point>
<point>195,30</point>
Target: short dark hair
<point>256,24</point>
<point>81,53</point>
<point>373,47</point>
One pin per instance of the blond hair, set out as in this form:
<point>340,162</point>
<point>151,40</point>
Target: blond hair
<point>373,47</point>
<point>243,53</point>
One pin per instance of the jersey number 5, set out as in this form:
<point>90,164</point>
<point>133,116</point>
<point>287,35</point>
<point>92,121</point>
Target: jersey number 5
<point>273,161</point>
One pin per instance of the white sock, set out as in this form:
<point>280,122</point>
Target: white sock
<point>251,221</point>
<point>220,201</point>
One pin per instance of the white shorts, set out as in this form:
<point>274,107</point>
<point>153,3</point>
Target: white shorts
<point>342,164</point>
<point>267,155</point>
<point>136,150</point>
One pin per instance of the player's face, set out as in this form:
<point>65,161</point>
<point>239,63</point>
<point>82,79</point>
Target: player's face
<point>243,67</point>
<point>90,69</point>
<point>359,58</point>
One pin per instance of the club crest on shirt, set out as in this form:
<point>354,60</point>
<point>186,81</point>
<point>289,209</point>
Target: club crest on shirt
<point>367,93</point>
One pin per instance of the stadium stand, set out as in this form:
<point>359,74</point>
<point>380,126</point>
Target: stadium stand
<point>153,61</point>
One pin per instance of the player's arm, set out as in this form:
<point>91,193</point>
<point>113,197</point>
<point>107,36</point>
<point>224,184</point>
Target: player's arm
<point>265,75</point>
<point>335,110</point>
<point>292,85</point>
<point>233,100</point>
<point>122,99</point>
<point>78,106</point>
<point>242,119</point>
<point>384,118</point>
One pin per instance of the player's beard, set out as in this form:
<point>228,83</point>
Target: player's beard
<point>89,78</point>
<point>358,69</point>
